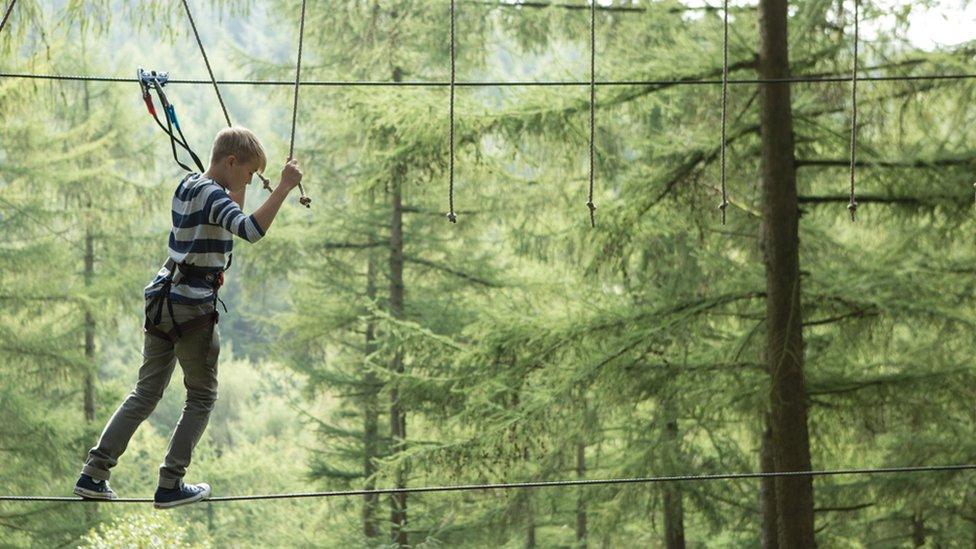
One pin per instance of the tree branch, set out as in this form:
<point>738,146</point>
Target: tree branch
<point>543,5</point>
<point>844,509</point>
<point>611,8</point>
<point>862,199</point>
<point>918,163</point>
<point>859,313</point>
<point>449,270</point>
<point>414,209</point>
<point>11,297</point>
<point>352,245</point>
<point>913,201</point>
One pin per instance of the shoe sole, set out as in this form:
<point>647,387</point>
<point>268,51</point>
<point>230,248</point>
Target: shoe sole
<point>170,504</point>
<point>90,494</point>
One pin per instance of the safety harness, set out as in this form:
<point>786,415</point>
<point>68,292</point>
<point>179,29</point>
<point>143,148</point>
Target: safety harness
<point>182,273</point>
<point>179,273</point>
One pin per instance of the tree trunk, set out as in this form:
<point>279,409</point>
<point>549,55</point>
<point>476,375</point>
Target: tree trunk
<point>89,404</point>
<point>89,331</point>
<point>767,489</point>
<point>674,527</point>
<point>370,414</point>
<point>91,511</point>
<point>918,530</point>
<point>580,498</point>
<point>784,335</point>
<point>529,512</point>
<point>398,420</point>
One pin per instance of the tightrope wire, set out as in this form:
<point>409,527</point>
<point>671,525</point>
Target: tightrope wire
<point>540,484</point>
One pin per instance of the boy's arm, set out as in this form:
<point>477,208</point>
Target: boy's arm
<point>291,175</point>
<point>267,211</point>
<point>225,211</point>
<point>238,196</point>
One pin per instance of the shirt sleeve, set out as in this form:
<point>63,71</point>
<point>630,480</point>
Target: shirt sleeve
<point>223,211</point>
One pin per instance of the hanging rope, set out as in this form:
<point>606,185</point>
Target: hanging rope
<point>589,203</point>
<point>852,206</point>
<point>304,200</point>
<point>206,61</point>
<point>452,216</point>
<point>725,107</point>
<point>6,14</point>
<point>540,484</point>
<point>213,80</point>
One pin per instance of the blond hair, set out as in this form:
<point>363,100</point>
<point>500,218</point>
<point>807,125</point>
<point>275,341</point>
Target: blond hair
<point>240,142</point>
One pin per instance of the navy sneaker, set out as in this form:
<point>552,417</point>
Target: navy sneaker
<point>89,488</point>
<point>181,495</point>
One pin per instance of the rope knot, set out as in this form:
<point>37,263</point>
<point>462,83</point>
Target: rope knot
<point>723,206</point>
<point>452,217</point>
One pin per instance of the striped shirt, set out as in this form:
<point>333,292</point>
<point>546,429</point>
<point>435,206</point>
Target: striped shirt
<point>205,221</point>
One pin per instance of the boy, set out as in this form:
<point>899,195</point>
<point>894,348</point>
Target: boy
<point>206,216</point>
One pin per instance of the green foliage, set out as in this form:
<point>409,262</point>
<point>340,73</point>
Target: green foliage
<point>525,334</point>
<point>144,530</point>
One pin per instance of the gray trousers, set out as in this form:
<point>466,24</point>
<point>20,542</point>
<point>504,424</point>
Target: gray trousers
<point>197,352</point>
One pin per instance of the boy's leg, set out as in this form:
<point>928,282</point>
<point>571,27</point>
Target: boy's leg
<point>158,362</point>
<point>197,352</point>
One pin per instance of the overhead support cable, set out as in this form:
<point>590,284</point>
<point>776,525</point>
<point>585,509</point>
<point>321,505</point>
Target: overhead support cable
<point>814,79</point>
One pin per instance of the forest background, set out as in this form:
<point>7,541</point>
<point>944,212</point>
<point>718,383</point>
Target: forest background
<point>371,343</point>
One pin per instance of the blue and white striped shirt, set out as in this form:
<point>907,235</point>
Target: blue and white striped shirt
<point>205,221</point>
